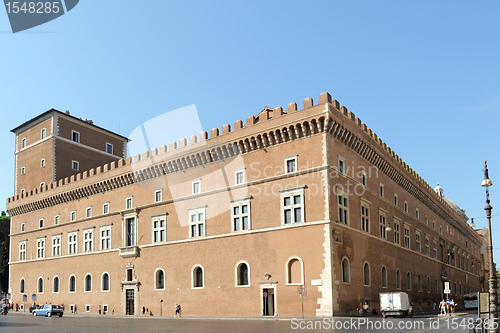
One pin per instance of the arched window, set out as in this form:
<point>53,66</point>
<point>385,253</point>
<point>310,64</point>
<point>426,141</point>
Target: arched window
<point>419,279</point>
<point>294,271</point>
<point>346,274</point>
<point>88,282</point>
<point>198,277</point>
<point>398,279</point>
<point>384,277</point>
<point>105,282</point>
<point>159,279</point>
<point>408,281</point>
<point>40,285</point>
<point>55,284</point>
<point>21,286</point>
<point>242,274</point>
<point>366,274</point>
<point>72,284</point>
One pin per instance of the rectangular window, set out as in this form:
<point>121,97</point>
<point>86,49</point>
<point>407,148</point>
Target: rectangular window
<point>417,214</point>
<point>197,222</point>
<point>382,225</point>
<point>434,249</point>
<point>159,229</point>
<point>426,220</point>
<point>239,176</point>
<point>23,144</point>
<point>75,136</point>
<point>381,190</point>
<point>417,242</point>
<point>40,248</point>
<point>291,164</point>
<point>40,223</point>
<point>365,217</point>
<point>22,250</point>
<point>397,235</point>
<point>105,208</point>
<point>44,133</point>
<point>240,215</point>
<point>88,240</point>
<point>130,231</point>
<point>196,187</point>
<point>75,165</point>
<point>364,179</point>
<point>105,238</point>
<point>129,203</point>
<point>23,227</point>
<point>427,246</point>
<point>343,208</point>
<point>407,236</point>
<point>395,199</point>
<point>406,207</point>
<point>88,212</point>
<point>42,163</point>
<point>56,245</point>
<point>158,195</point>
<point>73,216</point>
<point>56,219</point>
<point>109,148</point>
<point>292,206</point>
<point>72,242</point>
<point>341,165</point>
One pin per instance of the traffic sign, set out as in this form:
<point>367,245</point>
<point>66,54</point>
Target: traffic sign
<point>302,290</point>
<point>265,293</point>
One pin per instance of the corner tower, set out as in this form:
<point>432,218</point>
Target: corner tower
<point>55,145</point>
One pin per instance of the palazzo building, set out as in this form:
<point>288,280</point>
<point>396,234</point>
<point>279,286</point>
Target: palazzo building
<point>234,222</point>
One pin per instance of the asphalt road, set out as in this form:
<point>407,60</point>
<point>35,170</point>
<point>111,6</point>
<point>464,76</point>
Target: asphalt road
<point>70,323</point>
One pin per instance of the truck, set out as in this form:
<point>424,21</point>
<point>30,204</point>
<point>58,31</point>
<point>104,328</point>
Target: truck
<point>395,304</point>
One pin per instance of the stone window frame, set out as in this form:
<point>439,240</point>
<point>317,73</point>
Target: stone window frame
<point>193,278</point>
<point>243,176</point>
<point>157,230</point>
<point>102,282</point>
<point>88,242</point>
<point>341,165</point>
<point>57,219</point>
<point>196,187</point>
<point>365,215</point>
<point>159,269</point>
<point>407,236</point>
<point>240,203</point>
<point>291,193</point>
<point>54,284</point>
<point>57,245</point>
<point>383,280</point>
<point>158,195</point>
<point>87,288</point>
<point>237,277</point>
<point>73,242</point>
<point>343,206</point>
<point>105,208</point>
<point>43,133</point>
<point>112,148</point>
<point>382,223</point>
<point>42,163</point>
<point>74,284</point>
<point>342,270</point>
<point>75,165</point>
<point>105,237</point>
<point>295,164</point>
<point>22,249</point>
<point>88,212</point>
<point>196,211</point>
<point>366,277</point>
<point>40,247</point>
<point>76,135</point>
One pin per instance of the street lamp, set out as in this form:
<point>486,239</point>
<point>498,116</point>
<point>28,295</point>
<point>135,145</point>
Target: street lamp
<point>492,281</point>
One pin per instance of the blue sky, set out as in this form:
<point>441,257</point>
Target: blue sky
<point>424,75</point>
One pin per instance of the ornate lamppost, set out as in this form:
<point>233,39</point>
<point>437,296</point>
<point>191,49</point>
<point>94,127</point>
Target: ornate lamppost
<point>492,281</point>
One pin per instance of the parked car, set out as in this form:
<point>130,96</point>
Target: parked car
<point>49,310</point>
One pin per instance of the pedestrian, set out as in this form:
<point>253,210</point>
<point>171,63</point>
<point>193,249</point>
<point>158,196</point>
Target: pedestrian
<point>434,306</point>
<point>180,311</point>
<point>176,310</point>
<point>143,310</point>
<point>453,304</point>
<point>365,309</point>
<point>113,312</point>
<point>62,306</point>
<point>75,308</point>
<point>99,309</point>
<point>442,307</point>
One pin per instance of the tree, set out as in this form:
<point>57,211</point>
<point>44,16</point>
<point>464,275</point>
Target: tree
<point>4,252</point>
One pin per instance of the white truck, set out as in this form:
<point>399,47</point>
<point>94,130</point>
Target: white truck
<point>395,304</point>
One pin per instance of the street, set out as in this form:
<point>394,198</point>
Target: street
<point>23,322</point>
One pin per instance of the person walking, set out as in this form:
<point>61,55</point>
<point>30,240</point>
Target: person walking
<point>99,309</point>
<point>176,310</point>
<point>442,307</point>
<point>143,310</point>
<point>75,308</point>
